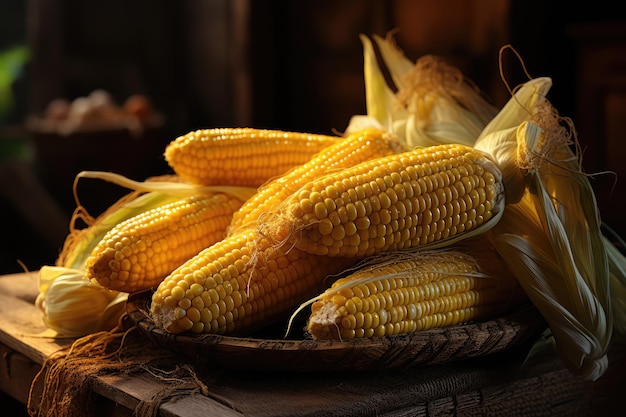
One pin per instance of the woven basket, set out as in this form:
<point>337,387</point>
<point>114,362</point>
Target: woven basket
<point>427,347</point>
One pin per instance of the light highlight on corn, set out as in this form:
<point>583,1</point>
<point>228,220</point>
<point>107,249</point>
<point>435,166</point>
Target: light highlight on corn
<point>241,156</point>
<point>412,293</point>
<point>138,253</point>
<point>426,197</point>
<point>360,146</point>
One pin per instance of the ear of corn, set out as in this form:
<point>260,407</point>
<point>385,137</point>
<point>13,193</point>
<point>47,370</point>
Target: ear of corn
<point>138,253</point>
<point>74,305</point>
<point>80,241</point>
<point>360,146</point>
<point>241,156</point>
<point>427,197</point>
<point>71,304</point>
<point>410,292</point>
<point>239,284</point>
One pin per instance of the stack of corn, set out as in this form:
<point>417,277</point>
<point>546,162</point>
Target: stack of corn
<point>434,209</point>
<point>161,223</point>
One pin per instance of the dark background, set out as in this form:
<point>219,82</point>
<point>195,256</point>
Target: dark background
<point>277,64</point>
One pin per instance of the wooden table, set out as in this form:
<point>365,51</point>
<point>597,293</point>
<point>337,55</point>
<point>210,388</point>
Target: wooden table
<point>498,385</point>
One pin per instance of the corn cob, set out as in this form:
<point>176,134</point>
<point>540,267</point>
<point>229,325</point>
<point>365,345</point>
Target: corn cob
<point>71,304</point>
<point>238,285</point>
<point>138,253</point>
<point>357,147</point>
<point>408,293</point>
<point>241,156</point>
<point>426,197</point>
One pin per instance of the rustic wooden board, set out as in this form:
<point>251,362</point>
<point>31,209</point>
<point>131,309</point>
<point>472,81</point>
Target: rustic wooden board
<point>22,327</point>
<point>25,342</point>
<point>500,384</point>
<point>16,373</point>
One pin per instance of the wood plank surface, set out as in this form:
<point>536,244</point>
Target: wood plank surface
<point>24,347</point>
<point>502,383</point>
<point>22,327</point>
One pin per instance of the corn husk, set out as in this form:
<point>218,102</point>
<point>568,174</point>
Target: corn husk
<point>424,103</point>
<point>499,137</point>
<point>617,283</point>
<point>73,306</point>
<point>562,261</point>
<point>380,97</point>
<point>550,231</point>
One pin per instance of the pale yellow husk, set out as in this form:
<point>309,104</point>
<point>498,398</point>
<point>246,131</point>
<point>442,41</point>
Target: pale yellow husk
<point>434,102</point>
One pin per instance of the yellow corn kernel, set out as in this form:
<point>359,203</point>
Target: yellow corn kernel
<point>358,147</point>
<point>237,286</point>
<point>241,156</point>
<point>428,196</point>
<point>410,294</point>
<point>138,253</point>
